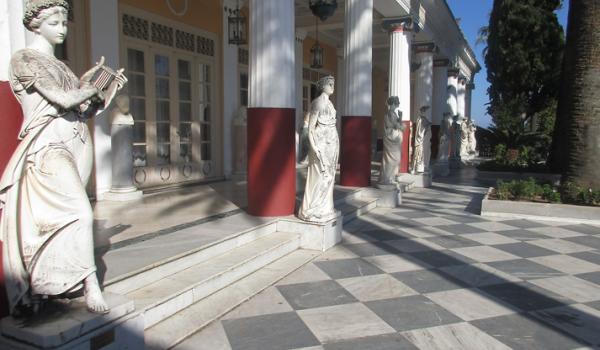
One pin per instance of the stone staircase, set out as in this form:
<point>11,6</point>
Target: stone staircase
<point>181,281</point>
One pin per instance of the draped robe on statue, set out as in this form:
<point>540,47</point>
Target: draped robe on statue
<point>317,204</point>
<point>46,226</point>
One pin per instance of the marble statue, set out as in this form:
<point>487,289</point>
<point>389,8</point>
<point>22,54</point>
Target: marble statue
<point>46,226</point>
<point>422,130</point>
<point>472,137</point>
<point>464,138</point>
<point>445,138</point>
<point>317,204</point>
<point>392,142</point>
<point>456,136</point>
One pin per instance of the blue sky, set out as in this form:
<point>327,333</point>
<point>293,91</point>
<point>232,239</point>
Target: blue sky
<point>474,14</point>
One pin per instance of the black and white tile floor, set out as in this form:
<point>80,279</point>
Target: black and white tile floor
<point>430,275</point>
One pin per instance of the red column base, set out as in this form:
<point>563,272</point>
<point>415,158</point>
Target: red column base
<point>405,150</point>
<point>11,119</point>
<point>271,161</point>
<point>435,141</point>
<point>355,155</point>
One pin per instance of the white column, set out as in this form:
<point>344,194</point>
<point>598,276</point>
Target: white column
<point>13,34</point>
<point>460,97</point>
<point>399,72</point>
<point>340,83</point>
<point>272,56</point>
<point>358,56</point>
<point>451,101</point>
<point>440,90</point>
<point>300,36</point>
<point>104,40</point>
<point>424,90</point>
<point>231,91</point>
<point>468,99</point>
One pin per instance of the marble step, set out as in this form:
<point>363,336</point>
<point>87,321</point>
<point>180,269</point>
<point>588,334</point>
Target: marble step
<point>167,296</point>
<point>189,254</point>
<point>355,207</point>
<point>185,323</point>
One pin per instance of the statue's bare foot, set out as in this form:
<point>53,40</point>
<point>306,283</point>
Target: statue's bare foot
<point>93,296</point>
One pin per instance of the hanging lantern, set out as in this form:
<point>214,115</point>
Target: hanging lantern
<point>316,51</point>
<point>322,8</point>
<point>237,26</point>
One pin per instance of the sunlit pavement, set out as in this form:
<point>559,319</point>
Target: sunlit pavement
<point>431,274</point>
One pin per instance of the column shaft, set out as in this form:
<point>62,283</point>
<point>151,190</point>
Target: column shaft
<point>231,92</point>
<point>399,83</point>
<point>271,112</point>
<point>355,157</point>
<point>440,95</point>
<point>424,91</point>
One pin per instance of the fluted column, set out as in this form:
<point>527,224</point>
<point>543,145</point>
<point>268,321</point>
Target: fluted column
<point>271,112</point>
<point>231,91</point>
<point>452,105</point>
<point>424,90</point>
<point>399,76</point>
<point>440,96</point>
<point>355,157</point>
<point>468,99</point>
<point>460,96</point>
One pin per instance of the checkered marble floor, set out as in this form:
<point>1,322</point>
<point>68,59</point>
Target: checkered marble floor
<point>430,274</point>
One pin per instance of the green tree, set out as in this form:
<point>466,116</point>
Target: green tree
<point>524,51</point>
<point>576,147</point>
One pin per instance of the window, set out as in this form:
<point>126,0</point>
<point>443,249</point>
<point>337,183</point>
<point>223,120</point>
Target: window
<point>137,96</point>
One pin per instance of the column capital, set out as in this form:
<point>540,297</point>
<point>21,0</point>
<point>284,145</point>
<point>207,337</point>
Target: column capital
<point>462,80</point>
<point>401,24</point>
<point>441,62</point>
<point>424,47</point>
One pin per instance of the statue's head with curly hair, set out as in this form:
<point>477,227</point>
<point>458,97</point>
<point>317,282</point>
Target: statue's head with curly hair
<point>324,81</point>
<point>37,11</point>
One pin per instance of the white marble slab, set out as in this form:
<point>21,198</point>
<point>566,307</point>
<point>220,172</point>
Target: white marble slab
<point>560,246</point>
<point>571,287</point>
<point>454,336</point>
<point>490,238</point>
<point>334,323</point>
<point>395,263</point>
<point>470,304</point>
<point>376,287</point>
<point>566,264</point>
<point>485,254</point>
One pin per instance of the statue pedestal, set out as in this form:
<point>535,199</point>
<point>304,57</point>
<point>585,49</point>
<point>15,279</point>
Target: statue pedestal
<point>456,163</point>
<point>418,180</point>
<point>71,326</point>
<point>122,189</point>
<point>388,196</point>
<point>314,235</point>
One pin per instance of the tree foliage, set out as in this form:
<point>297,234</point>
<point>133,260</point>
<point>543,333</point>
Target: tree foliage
<point>523,59</point>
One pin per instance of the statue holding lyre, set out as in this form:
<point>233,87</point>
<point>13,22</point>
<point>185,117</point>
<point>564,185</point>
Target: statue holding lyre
<point>46,225</point>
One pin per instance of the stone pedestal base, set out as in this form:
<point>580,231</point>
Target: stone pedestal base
<point>313,235</point>
<point>239,176</point>
<point>418,180</point>
<point>122,195</point>
<point>388,196</point>
<point>71,326</point>
<point>441,169</point>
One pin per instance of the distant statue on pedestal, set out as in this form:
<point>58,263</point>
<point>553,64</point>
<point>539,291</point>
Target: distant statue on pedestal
<point>464,138</point>
<point>445,138</point>
<point>46,224</point>
<point>422,130</point>
<point>317,204</point>
<point>392,142</point>
<point>456,136</point>
<point>472,137</point>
